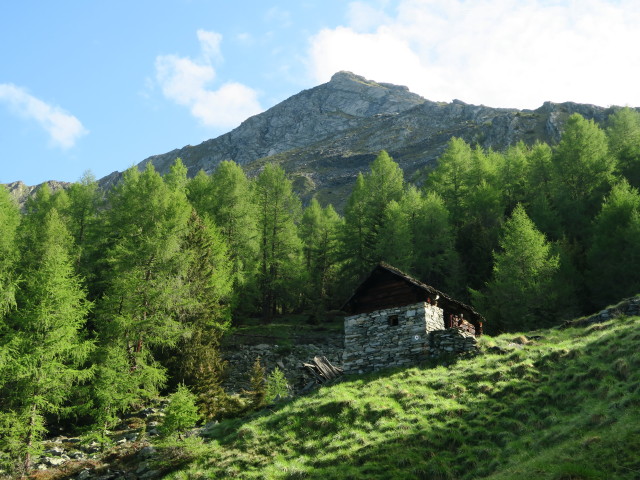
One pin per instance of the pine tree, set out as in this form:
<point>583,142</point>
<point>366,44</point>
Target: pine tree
<point>583,174</point>
<point>44,334</point>
<point>614,255</point>
<point>319,230</point>
<point>435,259</point>
<point>145,296</point>
<point>9,221</point>
<point>520,293</point>
<point>624,143</point>
<point>279,246</point>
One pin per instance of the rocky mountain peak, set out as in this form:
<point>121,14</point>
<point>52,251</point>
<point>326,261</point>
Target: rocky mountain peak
<point>345,103</point>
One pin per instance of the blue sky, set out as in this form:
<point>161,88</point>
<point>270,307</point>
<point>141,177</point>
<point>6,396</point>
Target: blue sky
<point>100,86</point>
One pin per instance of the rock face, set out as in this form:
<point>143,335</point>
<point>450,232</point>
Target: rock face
<point>325,135</point>
<point>344,104</point>
<point>21,192</point>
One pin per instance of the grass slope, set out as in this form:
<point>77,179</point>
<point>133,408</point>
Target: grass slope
<point>564,406</point>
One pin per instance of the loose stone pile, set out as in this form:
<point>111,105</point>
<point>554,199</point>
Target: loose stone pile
<point>629,307</point>
<point>288,358</point>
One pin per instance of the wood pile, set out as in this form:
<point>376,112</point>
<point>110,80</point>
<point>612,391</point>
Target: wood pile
<point>322,370</point>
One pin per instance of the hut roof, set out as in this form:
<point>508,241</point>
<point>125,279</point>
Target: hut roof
<point>350,304</point>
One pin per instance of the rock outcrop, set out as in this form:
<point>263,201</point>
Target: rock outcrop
<point>325,135</point>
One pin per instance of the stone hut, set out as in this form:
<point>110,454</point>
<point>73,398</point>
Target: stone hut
<point>391,319</point>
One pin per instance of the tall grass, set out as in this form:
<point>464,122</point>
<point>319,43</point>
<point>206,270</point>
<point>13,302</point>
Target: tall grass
<point>562,407</point>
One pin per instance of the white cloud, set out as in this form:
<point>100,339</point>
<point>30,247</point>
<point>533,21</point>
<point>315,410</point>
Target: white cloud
<point>210,44</point>
<point>186,81</point>
<point>63,128</point>
<point>497,52</point>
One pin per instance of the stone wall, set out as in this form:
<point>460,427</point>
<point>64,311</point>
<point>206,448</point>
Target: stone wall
<point>452,341</point>
<point>389,338</point>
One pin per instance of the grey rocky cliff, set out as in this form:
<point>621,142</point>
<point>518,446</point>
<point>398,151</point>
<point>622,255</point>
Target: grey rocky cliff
<point>343,104</point>
<point>325,135</point>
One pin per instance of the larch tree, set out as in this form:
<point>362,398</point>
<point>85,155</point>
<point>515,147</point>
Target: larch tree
<point>583,174</point>
<point>624,143</point>
<point>280,248</point>
<point>44,335</point>
<point>146,294</point>
<point>435,259</point>
<point>614,255</point>
<point>9,221</point>
<point>365,216</point>
<point>520,294</point>
<point>319,229</point>
<point>450,179</point>
<point>355,236</point>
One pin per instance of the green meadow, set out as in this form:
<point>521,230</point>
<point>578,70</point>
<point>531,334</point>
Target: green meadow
<point>558,404</point>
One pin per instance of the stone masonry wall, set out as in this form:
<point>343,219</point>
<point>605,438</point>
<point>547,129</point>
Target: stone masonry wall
<point>376,340</point>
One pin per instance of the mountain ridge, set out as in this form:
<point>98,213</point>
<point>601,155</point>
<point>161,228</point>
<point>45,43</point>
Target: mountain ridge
<point>325,135</point>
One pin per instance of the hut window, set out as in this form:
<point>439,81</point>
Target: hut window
<point>393,320</point>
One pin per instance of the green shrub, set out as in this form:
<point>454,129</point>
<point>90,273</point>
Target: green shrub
<point>181,412</point>
<point>277,386</point>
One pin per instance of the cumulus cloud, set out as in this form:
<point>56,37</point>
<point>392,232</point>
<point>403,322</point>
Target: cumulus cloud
<point>497,52</point>
<point>186,81</point>
<point>63,128</point>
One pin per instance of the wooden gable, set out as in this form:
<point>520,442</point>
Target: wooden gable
<point>388,287</point>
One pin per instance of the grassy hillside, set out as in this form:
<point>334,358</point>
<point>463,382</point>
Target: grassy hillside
<point>558,404</point>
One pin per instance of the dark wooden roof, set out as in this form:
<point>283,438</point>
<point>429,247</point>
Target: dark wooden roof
<point>388,287</point>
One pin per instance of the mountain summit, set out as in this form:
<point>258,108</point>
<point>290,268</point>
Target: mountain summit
<point>325,135</point>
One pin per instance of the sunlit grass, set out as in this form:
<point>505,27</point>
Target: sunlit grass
<point>566,406</point>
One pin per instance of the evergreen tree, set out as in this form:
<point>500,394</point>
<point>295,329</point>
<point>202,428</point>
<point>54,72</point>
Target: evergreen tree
<point>583,173</point>
<point>435,259</point>
<point>196,359</point>
<point>624,143</point>
<point>9,221</point>
<point>146,294</point>
<point>319,230</point>
<point>395,241</point>
<point>44,335</point>
<point>279,244</point>
<point>356,246</point>
<point>520,294</point>
<point>450,179</point>
<point>614,255</point>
